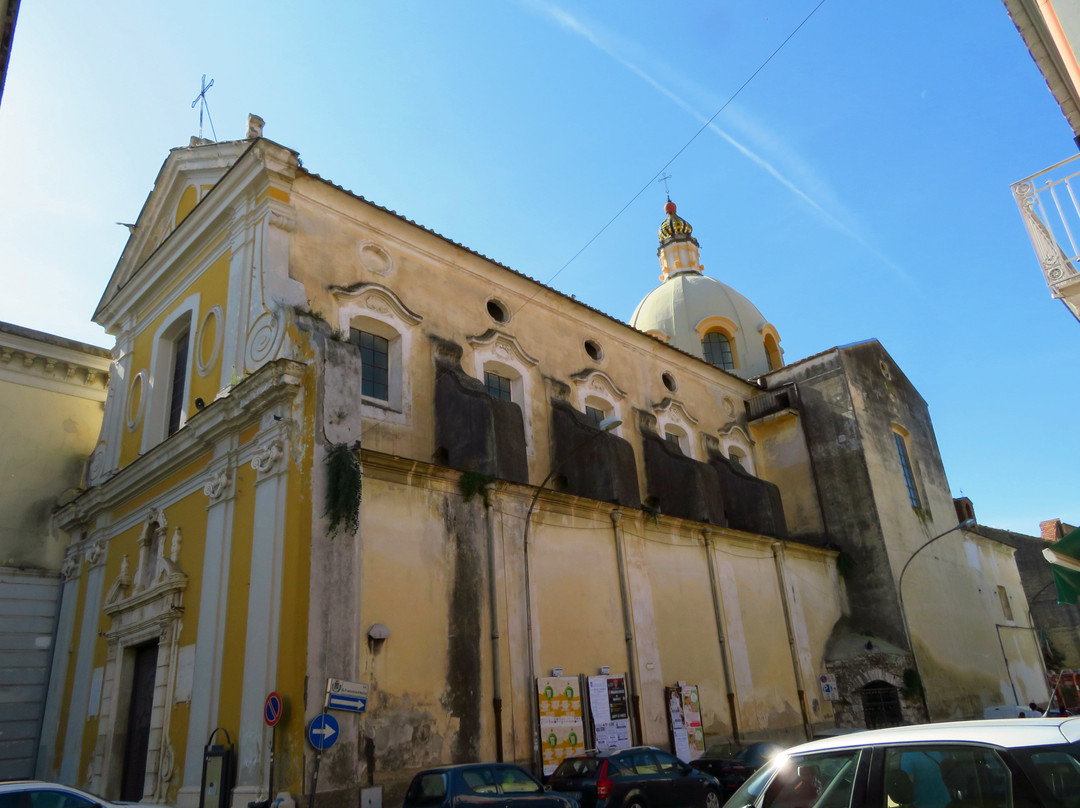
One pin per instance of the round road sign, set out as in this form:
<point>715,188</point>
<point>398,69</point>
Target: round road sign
<point>272,709</point>
<point>322,731</point>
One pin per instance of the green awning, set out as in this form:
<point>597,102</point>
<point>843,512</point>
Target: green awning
<point>1064,558</point>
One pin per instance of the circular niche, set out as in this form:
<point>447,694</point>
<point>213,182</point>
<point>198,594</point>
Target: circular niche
<point>497,310</point>
<point>593,349</point>
<point>135,395</point>
<point>669,381</point>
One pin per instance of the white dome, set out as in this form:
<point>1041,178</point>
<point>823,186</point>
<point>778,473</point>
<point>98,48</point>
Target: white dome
<point>688,305</point>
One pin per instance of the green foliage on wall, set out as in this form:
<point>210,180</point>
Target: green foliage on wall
<point>473,483</point>
<point>912,683</point>
<point>344,487</point>
<point>845,564</point>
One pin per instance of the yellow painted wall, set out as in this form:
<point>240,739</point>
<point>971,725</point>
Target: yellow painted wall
<point>212,287</point>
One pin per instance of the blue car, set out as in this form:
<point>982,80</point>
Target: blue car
<point>482,785</point>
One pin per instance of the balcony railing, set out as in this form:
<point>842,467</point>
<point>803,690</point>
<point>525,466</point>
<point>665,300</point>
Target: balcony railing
<point>1049,205</point>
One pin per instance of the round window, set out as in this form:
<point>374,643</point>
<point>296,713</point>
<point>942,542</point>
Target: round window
<point>593,349</point>
<point>669,382</point>
<point>498,311</point>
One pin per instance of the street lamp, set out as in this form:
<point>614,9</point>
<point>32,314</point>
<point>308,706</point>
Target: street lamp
<point>903,611</point>
<point>605,425</point>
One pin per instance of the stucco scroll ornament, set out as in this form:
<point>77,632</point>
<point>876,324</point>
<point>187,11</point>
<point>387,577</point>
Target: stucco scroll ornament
<point>376,304</point>
<point>70,567</point>
<point>95,553</point>
<point>166,767</point>
<point>217,485</point>
<point>283,221</point>
<point>265,460</point>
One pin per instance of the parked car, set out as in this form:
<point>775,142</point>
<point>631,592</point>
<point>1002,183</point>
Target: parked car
<point>481,784</point>
<point>732,764</point>
<point>641,777</point>
<point>38,794</point>
<point>1033,763</point>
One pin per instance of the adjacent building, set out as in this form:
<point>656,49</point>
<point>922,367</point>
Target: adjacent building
<point>52,391</point>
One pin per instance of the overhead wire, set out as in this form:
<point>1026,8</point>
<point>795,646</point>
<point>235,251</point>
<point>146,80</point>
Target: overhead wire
<point>543,286</point>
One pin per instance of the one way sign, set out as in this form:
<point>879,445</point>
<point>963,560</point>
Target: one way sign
<point>349,696</point>
<point>322,731</point>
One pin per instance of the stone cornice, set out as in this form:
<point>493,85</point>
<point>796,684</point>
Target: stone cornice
<point>274,383</point>
<point>43,360</point>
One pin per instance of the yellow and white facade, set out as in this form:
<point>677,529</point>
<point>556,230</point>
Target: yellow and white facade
<point>496,539</point>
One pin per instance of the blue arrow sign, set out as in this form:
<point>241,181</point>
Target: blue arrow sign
<point>322,731</point>
<point>340,701</point>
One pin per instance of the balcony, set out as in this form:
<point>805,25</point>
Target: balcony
<point>1051,212</point>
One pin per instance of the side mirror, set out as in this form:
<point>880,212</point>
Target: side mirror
<point>547,788</point>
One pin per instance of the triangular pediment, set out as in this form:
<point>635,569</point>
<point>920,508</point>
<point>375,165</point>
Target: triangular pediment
<point>186,178</point>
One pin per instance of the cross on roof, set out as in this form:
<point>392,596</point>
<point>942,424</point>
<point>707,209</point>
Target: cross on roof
<point>202,97</point>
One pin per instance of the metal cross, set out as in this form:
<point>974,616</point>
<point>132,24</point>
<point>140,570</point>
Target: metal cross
<point>663,178</point>
<point>202,97</point>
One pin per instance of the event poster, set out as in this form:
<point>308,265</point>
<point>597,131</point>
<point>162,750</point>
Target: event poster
<point>684,714</point>
<point>610,712</point>
<point>562,727</point>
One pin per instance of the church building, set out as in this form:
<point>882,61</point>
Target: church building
<point>353,463</point>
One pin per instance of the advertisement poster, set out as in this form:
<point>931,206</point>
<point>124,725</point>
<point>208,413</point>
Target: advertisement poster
<point>691,713</point>
<point>684,715</point>
<point>562,729</point>
<point>610,712</point>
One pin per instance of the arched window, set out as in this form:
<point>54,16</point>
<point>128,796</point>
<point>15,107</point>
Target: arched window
<point>772,353</point>
<point>881,705</point>
<point>717,350</point>
<point>676,436</point>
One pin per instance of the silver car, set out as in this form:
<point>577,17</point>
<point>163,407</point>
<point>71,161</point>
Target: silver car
<point>1033,763</point>
<point>38,794</point>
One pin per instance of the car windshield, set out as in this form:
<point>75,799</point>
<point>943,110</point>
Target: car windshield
<point>822,780</point>
<point>428,788</point>
<point>577,768</point>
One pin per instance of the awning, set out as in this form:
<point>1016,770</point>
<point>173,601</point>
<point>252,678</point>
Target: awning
<point>1064,558</point>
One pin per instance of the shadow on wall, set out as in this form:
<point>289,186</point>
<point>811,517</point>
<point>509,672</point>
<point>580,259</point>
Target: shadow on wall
<point>594,464</point>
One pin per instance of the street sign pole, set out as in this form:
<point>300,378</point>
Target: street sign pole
<point>272,712</point>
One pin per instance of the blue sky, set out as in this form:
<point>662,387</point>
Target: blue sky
<point>858,187</point>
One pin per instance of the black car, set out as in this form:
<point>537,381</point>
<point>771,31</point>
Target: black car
<point>642,777</point>
<point>732,764</point>
<point>482,785</point>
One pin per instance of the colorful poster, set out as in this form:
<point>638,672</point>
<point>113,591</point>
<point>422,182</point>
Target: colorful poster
<point>691,711</point>
<point>610,715</point>
<point>562,726</point>
<point>684,714</point>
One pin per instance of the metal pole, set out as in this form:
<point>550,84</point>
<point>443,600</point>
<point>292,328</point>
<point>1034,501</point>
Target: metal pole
<point>493,606</point>
<point>903,611</point>
<point>781,579</point>
<point>718,613</point>
<point>628,627</point>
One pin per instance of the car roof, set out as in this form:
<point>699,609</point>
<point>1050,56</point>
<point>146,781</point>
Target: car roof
<point>450,767</point>
<point>1004,732</point>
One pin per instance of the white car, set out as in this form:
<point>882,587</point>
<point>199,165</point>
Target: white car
<point>38,794</point>
<point>968,764</point>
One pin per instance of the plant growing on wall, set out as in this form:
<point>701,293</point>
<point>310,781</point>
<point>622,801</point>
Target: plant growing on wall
<point>472,483</point>
<point>344,486</point>
<point>912,683</point>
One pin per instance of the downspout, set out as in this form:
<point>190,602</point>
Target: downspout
<point>628,626</point>
<point>781,578</point>
<point>718,614</point>
<point>493,605</point>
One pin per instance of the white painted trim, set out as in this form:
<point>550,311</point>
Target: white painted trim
<point>155,424</point>
<point>80,690</point>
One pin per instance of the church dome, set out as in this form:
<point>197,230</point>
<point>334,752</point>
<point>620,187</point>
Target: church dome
<point>701,315</point>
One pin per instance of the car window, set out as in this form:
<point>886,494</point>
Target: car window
<point>44,798</point>
<point>823,781</point>
<point>428,788</point>
<point>642,762</point>
<point>480,780</point>
<point>946,777</point>
<point>577,767</point>
<point>514,781</point>
<point>669,764</point>
<point>1055,771</point>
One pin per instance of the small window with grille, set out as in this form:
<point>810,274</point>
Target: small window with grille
<point>497,386</point>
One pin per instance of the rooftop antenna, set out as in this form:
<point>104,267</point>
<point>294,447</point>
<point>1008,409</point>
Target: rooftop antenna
<point>663,178</point>
<point>202,97</point>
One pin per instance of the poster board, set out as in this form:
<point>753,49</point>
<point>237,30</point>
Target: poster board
<point>684,721</point>
<point>562,725</point>
<point>610,712</point>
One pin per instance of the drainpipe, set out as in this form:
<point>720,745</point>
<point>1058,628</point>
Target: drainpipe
<point>777,549</point>
<point>493,605</point>
<point>628,626</point>
<point>718,614</point>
